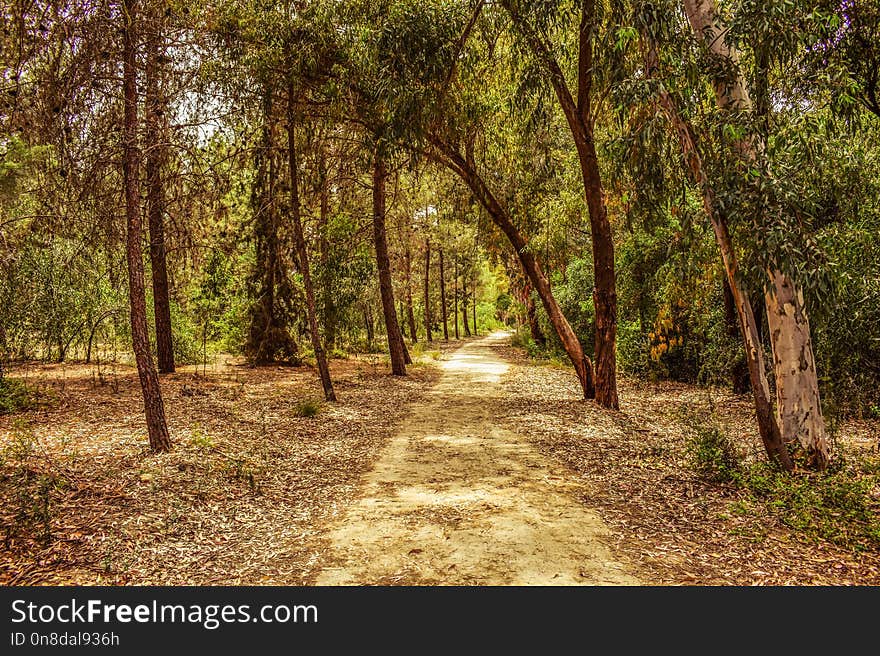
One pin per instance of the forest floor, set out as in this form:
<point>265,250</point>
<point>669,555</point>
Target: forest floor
<point>458,499</point>
<point>480,467</point>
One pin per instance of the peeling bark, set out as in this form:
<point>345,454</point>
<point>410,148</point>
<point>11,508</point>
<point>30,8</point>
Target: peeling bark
<point>797,391</point>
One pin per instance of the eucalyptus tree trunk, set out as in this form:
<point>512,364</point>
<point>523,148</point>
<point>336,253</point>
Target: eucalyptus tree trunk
<point>396,346</point>
<point>156,155</point>
<point>798,407</point>
<point>768,426</point>
<point>302,252</point>
<point>578,112</point>
<point>465,168</point>
<point>428,291</point>
<point>443,299</point>
<point>149,379</point>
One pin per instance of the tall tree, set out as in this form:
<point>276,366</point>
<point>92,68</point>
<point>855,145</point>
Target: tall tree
<point>443,298</point>
<point>579,112</point>
<point>428,317</point>
<point>156,117</point>
<point>303,251</point>
<point>396,345</point>
<point>798,407</point>
<point>154,408</point>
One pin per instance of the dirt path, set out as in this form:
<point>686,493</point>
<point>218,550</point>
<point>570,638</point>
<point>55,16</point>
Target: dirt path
<point>457,500</point>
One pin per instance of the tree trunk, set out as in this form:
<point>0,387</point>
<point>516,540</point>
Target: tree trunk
<point>455,295</point>
<point>428,290</point>
<point>464,304</point>
<point>578,114</point>
<point>797,392</point>
<point>410,315</point>
<point>268,336</point>
<point>149,379</point>
<point>465,169</point>
<point>396,346</point>
<point>156,154</point>
<point>303,252</point>
<point>538,336</point>
<point>443,299</point>
<point>797,385</point>
<point>768,427</point>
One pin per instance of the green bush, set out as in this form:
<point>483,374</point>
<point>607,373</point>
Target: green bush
<point>836,505</point>
<point>712,453</point>
<point>16,395</point>
<point>307,408</point>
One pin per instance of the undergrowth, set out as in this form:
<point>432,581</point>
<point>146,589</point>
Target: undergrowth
<point>16,395</point>
<point>840,505</point>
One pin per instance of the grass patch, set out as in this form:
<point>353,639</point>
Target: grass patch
<point>307,408</point>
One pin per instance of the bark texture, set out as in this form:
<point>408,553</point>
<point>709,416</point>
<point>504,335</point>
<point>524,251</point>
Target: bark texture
<point>396,346</point>
<point>797,386</point>
<point>154,409</point>
<point>156,155</point>
<point>768,426</point>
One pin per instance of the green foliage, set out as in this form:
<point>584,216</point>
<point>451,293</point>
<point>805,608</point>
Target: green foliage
<point>307,408</point>
<point>712,453</point>
<point>16,395</point>
<point>199,439</point>
<point>837,505</point>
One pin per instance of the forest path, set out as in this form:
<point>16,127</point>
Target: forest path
<point>455,499</point>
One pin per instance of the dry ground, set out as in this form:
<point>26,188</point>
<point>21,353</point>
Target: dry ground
<point>242,498</point>
<point>459,499</point>
<point>673,525</point>
<point>254,494</point>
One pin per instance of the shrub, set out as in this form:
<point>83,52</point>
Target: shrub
<point>711,451</point>
<point>16,395</point>
<point>836,505</point>
<point>307,408</point>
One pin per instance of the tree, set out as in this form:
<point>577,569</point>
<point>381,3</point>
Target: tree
<point>155,158</point>
<point>396,345</point>
<point>798,409</point>
<point>153,406</point>
<point>579,111</point>
<point>302,250</point>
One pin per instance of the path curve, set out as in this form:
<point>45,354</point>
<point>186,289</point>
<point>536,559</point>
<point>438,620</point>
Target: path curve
<point>455,499</point>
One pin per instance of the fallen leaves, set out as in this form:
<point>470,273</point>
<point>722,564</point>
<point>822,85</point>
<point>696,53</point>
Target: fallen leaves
<point>677,528</point>
<point>243,498</point>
